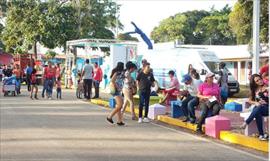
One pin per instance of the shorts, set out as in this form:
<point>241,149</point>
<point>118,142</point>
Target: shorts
<point>117,93</point>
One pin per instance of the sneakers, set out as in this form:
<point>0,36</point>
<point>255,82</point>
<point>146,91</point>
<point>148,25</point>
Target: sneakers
<point>146,120</point>
<point>140,120</point>
<point>263,138</point>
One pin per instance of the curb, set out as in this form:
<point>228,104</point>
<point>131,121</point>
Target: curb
<point>243,140</point>
<point>226,136</point>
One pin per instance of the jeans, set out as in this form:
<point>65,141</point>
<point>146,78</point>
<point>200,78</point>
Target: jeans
<point>191,107</point>
<point>204,108</point>
<point>87,85</point>
<point>45,86</point>
<point>58,93</point>
<point>28,82</point>
<point>258,112</point>
<point>96,85</point>
<point>49,87</point>
<point>144,100</point>
<point>185,104</point>
<point>18,85</point>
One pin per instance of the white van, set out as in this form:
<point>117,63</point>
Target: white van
<point>179,59</point>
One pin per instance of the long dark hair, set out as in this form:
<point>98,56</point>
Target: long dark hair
<point>253,86</point>
<point>119,68</point>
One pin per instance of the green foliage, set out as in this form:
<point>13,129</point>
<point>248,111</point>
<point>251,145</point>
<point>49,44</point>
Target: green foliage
<point>215,28</point>
<point>50,54</point>
<point>53,22</point>
<point>126,37</point>
<point>196,27</point>
<point>240,20</point>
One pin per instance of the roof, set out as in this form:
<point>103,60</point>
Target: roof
<point>222,51</point>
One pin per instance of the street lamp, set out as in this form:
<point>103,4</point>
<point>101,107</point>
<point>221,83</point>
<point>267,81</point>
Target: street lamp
<point>256,36</point>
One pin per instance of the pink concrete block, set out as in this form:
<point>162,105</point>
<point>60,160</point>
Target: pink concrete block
<point>156,109</point>
<point>215,124</point>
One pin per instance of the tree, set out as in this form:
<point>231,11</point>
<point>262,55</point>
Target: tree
<point>126,37</point>
<point>214,29</point>
<point>240,20</point>
<point>53,22</point>
<point>180,26</point>
<point>50,54</point>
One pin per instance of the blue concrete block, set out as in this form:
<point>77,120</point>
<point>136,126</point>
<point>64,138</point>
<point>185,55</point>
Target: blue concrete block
<point>233,106</point>
<point>176,110</point>
<point>112,103</point>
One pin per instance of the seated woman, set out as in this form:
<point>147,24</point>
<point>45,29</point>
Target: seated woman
<point>260,98</point>
<point>209,95</point>
<point>172,89</point>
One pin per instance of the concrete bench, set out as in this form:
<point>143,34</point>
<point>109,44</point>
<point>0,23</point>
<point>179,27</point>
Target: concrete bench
<point>155,110</point>
<point>176,110</point>
<point>252,127</point>
<point>215,124</point>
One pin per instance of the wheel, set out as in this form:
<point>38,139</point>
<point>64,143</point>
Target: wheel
<point>5,93</point>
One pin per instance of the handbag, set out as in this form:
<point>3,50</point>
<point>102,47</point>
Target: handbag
<point>112,89</point>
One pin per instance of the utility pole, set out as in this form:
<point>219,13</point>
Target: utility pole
<point>256,36</point>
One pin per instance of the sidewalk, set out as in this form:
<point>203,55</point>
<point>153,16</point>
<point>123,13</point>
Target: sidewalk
<point>235,135</point>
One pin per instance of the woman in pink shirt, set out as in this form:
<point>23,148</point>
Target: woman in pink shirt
<point>173,89</point>
<point>209,94</point>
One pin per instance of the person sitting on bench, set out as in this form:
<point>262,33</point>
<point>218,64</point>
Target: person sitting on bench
<point>260,98</point>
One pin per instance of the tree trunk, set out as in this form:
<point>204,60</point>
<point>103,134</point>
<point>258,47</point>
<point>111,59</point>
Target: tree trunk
<point>35,50</point>
<point>75,56</point>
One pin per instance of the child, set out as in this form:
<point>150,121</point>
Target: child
<point>34,84</point>
<point>79,90</point>
<point>58,88</point>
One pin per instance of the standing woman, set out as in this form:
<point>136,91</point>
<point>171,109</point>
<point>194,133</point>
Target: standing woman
<point>260,98</point>
<point>145,80</point>
<point>129,89</point>
<point>117,82</point>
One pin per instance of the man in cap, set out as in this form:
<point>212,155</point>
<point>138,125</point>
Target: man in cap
<point>191,100</point>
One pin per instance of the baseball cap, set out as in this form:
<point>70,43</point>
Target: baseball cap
<point>186,78</point>
<point>208,75</point>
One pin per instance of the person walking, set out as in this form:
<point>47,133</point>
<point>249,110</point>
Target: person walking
<point>117,82</point>
<point>98,74</point>
<point>45,85</point>
<point>145,80</point>
<point>28,72</point>
<point>58,88</point>
<point>33,82</point>
<point>87,75</point>
<point>129,89</point>
<point>18,73</point>
<point>49,78</point>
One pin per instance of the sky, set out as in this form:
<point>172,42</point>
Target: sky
<point>147,14</point>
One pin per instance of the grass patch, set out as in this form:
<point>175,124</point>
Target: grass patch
<point>243,93</point>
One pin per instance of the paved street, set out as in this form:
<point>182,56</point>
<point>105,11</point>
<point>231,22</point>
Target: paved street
<point>71,129</point>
